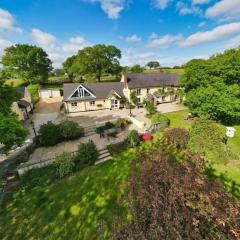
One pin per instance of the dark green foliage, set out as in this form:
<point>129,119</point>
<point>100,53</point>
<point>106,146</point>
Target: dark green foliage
<point>64,164</point>
<point>71,130</point>
<point>28,62</point>
<point>137,69</point>
<point>122,123</point>
<point>86,156</point>
<point>108,125</point>
<point>150,108</point>
<point>49,134</point>
<point>160,118</point>
<point>134,138</point>
<point>39,177</point>
<point>206,138</point>
<point>178,137</point>
<point>33,89</point>
<point>115,149</point>
<point>134,98</point>
<point>153,64</point>
<point>219,101</point>
<point>12,132</point>
<point>174,200</point>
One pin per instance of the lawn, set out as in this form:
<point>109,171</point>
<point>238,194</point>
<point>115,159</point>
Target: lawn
<point>15,82</point>
<point>232,168</point>
<point>84,206</point>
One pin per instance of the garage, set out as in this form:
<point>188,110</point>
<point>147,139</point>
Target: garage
<point>49,93</point>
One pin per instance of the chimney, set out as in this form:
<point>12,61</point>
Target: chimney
<point>125,80</point>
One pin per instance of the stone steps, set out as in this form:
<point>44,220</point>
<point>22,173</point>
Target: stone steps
<point>104,156</point>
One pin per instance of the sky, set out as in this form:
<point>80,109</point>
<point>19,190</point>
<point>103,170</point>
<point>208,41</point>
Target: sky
<point>169,31</point>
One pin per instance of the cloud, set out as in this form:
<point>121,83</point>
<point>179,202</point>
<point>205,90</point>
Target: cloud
<point>225,10</point>
<point>134,38</point>
<point>218,33</point>
<point>201,24</point>
<point>200,1</point>
<point>58,52</point>
<point>112,8</point>
<point>7,22</point>
<point>45,40</point>
<point>233,42</point>
<point>185,9</point>
<point>163,41</point>
<point>162,4</point>
<point>4,44</point>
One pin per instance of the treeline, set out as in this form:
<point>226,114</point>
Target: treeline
<point>213,87</point>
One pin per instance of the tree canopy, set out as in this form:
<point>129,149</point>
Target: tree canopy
<point>212,86</point>
<point>31,63</point>
<point>96,60</point>
<point>153,64</point>
<point>137,69</point>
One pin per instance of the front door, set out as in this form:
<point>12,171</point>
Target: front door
<point>114,103</point>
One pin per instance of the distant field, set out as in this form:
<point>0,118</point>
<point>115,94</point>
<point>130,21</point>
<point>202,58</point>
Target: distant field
<point>167,70</point>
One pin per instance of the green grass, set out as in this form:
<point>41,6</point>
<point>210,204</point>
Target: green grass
<point>177,119</point>
<point>72,208</point>
<point>171,70</point>
<point>15,82</point>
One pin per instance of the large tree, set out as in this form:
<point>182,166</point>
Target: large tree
<point>69,68</point>
<point>97,60</point>
<point>31,63</point>
<point>137,69</point>
<point>153,64</point>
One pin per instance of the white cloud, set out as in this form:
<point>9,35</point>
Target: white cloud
<point>162,4</point>
<point>134,38</point>
<point>225,10</point>
<point>200,1</point>
<point>185,9</point>
<point>4,44</point>
<point>45,40</point>
<point>218,33</point>
<point>112,8</point>
<point>58,52</point>
<point>201,24</point>
<point>163,41</point>
<point>7,22</point>
<point>233,42</point>
<point>75,44</point>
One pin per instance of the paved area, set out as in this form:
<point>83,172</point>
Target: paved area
<point>170,107</point>
<point>44,153</point>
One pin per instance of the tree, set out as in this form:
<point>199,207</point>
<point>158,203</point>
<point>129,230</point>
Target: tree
<point>11,131</point>
<point>134,98</point>
<point>150,108</point>
<point>68,67</point>
<point>137,69</point>
<point>219,102</point>
<point>153,64</point>
<point>28,62</point>
<point>97,60</point>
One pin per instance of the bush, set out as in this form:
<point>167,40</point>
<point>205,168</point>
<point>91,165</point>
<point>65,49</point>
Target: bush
<point>49,134</point>
<point>107,125</point>
<point>150,108</point>
<point>122,123</point>
<point>206,138</point>
<point>160,118</point>
<point>33,89</point>
<point>71,130</point>
<point>87,155</point>
<point>134,138</point>
<point>64,164</point>
<point>178,137</point>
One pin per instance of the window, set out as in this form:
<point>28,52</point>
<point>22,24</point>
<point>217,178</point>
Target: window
<point>138,92</point>
<point>147,90</point>
<point>92,103</point>
<point>139,100</point>
<point>74,104</point>
<point>163,98</point>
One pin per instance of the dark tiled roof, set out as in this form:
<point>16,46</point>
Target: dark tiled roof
<point>100,90</point>
<point>21,90</point>
<point>144,80</point>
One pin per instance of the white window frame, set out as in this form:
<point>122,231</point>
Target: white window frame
<point>81,89</point>
<point>74,104</point>
<point>138,91</point>
<point>92,103</point>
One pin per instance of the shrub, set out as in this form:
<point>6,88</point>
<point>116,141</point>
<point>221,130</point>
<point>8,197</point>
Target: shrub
<point>87,155</point>
<point>206,138</point>
<point>71,130</point>
<point>107,125</point>
<point>122,123</point>
<point>160,118</point>
<point>134,138</point>
<point>178,137</point>
<point>99,105</point>
<point>150,108</point>
<point>115,149</point>
<point>33,89</point>
<point>64,164</point>
<point>49,134</point>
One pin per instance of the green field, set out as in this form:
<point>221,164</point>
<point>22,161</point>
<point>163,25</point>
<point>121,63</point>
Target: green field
<point>167,70</point>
